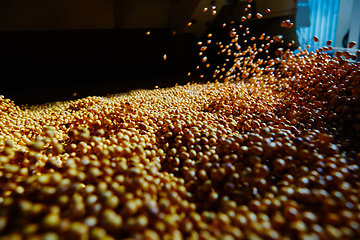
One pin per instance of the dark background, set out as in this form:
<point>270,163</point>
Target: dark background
<point>42,66</point>
<point>39,66</point>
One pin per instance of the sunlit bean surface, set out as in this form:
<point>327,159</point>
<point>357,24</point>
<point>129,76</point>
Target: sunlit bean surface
<point>269,150</point>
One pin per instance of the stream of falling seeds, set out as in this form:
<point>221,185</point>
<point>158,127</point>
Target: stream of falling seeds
<point>246,63</point>
<point>273,157</point>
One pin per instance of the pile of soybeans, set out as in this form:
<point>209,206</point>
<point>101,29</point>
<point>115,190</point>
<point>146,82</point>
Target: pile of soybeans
<point>271,156</point>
